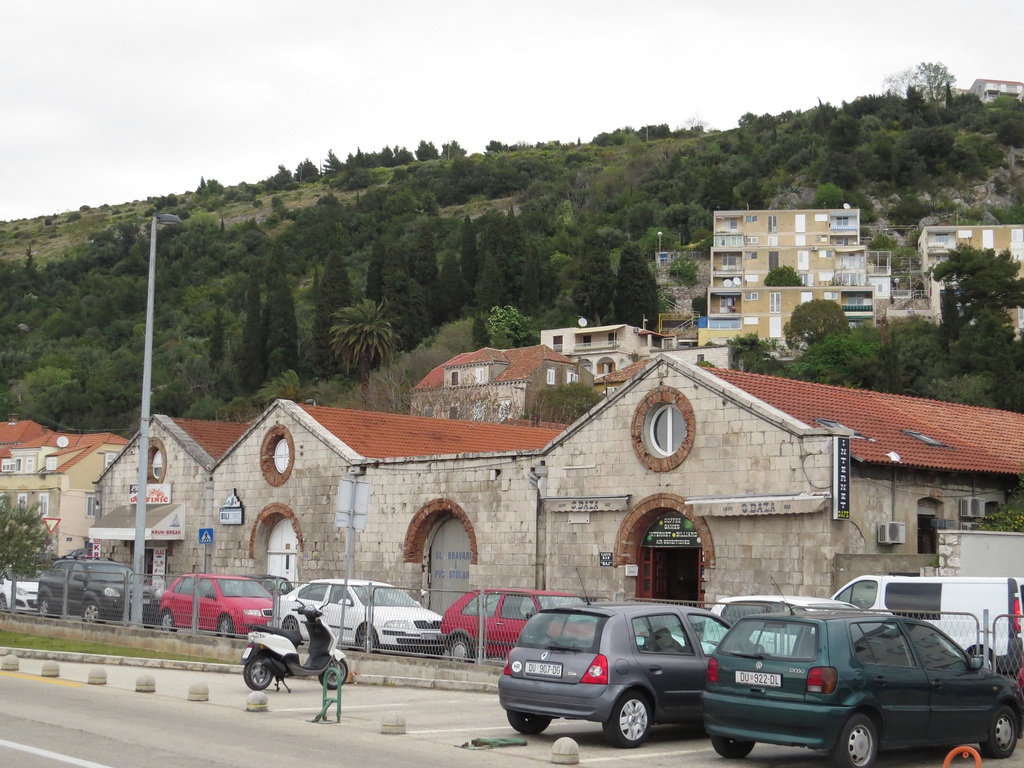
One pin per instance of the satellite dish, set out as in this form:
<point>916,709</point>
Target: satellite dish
<point>62,442</point>
<point>727,282</point>
<point>846,206</point>
<point>582,322</point>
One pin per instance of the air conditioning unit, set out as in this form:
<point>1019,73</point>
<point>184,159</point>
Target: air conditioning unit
<point>972,506</point>
<point>969,526</point>
<point>892,533</point>
<point>814,247</point>
<point>942,523</point>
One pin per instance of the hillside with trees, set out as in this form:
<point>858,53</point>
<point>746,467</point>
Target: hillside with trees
<point>259,289</point>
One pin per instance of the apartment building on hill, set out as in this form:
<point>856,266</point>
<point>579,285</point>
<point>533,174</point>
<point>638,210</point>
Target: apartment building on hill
<point>823,246</point>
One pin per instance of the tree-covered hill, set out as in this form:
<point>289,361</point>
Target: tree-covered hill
<point>247,285</point>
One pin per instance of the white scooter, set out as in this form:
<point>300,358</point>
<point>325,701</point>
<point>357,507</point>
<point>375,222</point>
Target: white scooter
<point>272,654</point>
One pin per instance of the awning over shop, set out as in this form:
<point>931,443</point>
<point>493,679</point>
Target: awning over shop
<point>163,521</point>
<point>781,504</point>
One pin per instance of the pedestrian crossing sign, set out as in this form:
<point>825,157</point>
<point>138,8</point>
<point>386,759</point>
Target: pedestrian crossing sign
<point>206,535</point>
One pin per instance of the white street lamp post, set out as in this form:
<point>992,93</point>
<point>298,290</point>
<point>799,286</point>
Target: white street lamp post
<point>143,476</point>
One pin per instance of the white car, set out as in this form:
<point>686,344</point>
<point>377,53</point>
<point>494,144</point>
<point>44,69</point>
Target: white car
<point>25,594</point>
<point>733,608</point>
<point>376,614</point>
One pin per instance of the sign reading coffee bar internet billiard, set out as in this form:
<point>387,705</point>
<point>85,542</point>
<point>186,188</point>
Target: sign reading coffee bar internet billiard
<point>671,531</point>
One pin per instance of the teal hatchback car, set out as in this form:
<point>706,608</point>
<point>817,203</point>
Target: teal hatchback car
<point>853,683</point>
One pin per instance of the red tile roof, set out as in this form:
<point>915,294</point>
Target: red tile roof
<point>215,437</point>
<point>976,439</point>
<point>16,431</point>
<point>623,374</point>
<point>522,363</point>
<point>378,435</point>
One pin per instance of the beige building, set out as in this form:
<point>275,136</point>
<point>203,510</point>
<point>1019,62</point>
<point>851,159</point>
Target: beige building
<point>823,246</point>
<point>990,90</point>
<point>685,482</point>
<point>935,243</point>
<point>57,472</point>
<point>603,349</point>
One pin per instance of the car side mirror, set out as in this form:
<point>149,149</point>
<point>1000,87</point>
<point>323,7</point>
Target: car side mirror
<point>975,663</point>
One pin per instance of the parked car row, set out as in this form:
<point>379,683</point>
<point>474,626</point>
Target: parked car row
<point>843,680</point>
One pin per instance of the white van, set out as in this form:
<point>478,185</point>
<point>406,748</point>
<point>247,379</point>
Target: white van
<point>934,598</point>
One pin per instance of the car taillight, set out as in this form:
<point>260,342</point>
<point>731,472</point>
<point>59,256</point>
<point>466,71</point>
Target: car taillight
<point>713,671</point>
<point>597,672</point>
<point>1016,614</point>
<point>822,680</point>
<point>508,667</point>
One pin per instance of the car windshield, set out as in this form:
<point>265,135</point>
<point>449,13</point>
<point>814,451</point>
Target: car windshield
<point>111,574</point>
<point>557,601</point>
<point>768,638</point>
<point>563,631</point>
<point>242,588</point>
<point>390,596</point>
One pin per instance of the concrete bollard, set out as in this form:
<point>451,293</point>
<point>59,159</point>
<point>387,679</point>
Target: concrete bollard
<point>10,663</point>
<point>394,723</point>
<point>97,676</point>
<point>145,684</point>
<point>257,702</point>
<point>50,669</point>
<point>198,692</point>
<point>565,752</point>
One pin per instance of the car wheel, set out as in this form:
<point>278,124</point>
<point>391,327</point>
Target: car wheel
<point>167,620</point>
<point>524,722</point>
<point>332,684</point>
<point>361,638</point>
<point>3,602</point>
<point>630,721</point>
<point>1002,735</point>
<point>290,622</point>
<point>225,626</point>
<point>91,611</point>
<point>43,604</point>
<point>256,673</point>
<point>461,647</point>
<point>731,749</point>
<point>857,746</point>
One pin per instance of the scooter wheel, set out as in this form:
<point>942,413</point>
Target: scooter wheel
<point>256,673</point>
<point>342,668</point>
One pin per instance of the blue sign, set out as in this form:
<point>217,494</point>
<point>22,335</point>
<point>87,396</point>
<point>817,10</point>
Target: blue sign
<point>206,535</point>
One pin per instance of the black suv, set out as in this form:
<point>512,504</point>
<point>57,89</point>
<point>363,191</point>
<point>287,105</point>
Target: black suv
<point>96,591</point>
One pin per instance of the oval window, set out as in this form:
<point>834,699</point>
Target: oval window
<point>666,429</point>
<point>281,456</point>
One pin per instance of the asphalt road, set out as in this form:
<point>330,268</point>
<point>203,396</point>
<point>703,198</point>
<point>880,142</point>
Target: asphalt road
<point>48,722</point>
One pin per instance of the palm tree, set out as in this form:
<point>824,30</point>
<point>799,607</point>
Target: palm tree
<point>361,334</point>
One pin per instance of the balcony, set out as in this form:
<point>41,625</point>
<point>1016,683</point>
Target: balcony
<point>850,278</point>
<point>864,307</point>
<point>844,225</point>
<point>594,346</point>
<point>729,241</point>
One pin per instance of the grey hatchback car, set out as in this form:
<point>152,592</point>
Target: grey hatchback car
<point>624,665</point>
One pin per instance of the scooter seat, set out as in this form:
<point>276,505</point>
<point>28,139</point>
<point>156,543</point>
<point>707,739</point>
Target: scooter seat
<point>290,634</point>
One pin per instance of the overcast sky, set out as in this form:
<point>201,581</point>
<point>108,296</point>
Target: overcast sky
<point>115,100</point>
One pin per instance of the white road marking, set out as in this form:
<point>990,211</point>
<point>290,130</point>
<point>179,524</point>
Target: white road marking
<point>52,755</point>
<point>640,755</point>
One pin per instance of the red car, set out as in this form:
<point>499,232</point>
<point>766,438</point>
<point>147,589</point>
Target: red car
<point>228,605</point>
<point>503,613</point>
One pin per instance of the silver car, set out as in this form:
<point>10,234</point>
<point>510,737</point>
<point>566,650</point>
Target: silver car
<point>624,665</point>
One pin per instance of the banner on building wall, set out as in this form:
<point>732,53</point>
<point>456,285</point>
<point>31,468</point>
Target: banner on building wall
<point>586,503</point>
<point>232,511</point>
<point>156,493</point>
<point>841,478</point>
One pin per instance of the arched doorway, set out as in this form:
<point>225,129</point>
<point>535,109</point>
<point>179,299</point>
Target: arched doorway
<point>670,560</point>
<point>450,556</point>
<point>283,551</point>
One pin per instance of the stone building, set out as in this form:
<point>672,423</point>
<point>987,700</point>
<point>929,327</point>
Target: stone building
<point>684,483</point>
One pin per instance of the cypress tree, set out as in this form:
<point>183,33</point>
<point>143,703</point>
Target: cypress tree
<point>636,292</point>
<point>281,329</point>
<point>332,290</point>
<point>217,340</point>
<point>250,363</point>
<point>453,287</point>
<point>374,272</point>
<point>469,257</point>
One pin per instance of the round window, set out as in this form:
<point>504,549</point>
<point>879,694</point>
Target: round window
<point>663,429</point>
<point>276,455</point>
